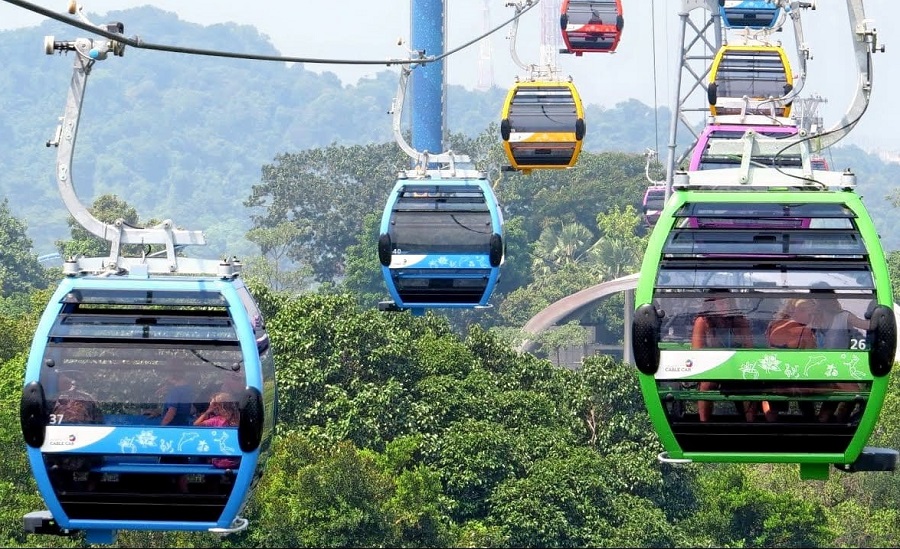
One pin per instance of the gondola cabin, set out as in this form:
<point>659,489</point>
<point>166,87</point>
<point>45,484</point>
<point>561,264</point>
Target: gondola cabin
<point>763,339</point>
<point>654,200</point>
<point>123,379</point>
<point>753,14</point>
<point>441,242</point>
<point>704,157</point>
<point>590,26</point>
<point>819,163</point>
<point>542,125</point>
<point>750,80</point>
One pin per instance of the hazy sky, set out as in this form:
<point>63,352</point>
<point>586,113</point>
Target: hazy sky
<point>369,29</point>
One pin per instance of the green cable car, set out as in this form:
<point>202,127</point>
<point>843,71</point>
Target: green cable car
<point>764,327</point>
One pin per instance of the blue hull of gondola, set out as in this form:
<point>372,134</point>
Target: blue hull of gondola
<point>121,471</point>
<point>441,243</point>
<point>441,281</point>
<point>755,14</point>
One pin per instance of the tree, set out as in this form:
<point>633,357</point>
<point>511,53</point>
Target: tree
<point>273,268</point>
<point>363,270</point>
<point>735,512</point>
<point>20,270</point>
<point>321,497</point>
<point>330,190</point>
<point>108,208</point>
<point>559,245</point>
<point>577,499</point>
<point>620,249</point>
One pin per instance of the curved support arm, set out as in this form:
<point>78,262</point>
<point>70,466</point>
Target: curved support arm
<point>67,131</point>
<point>397,111</point>
<point>651,156</point>
<point>535,72</point>
<point>421,159</point>
<point>803,51</point>
<point>865,43</point>
<point>87,52</point>
<point>513,30</point>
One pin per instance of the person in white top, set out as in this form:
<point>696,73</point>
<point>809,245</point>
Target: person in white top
<point>836,328</point>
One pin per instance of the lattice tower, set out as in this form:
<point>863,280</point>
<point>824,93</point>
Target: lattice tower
<point>550,37</point>
<point>485,52</point>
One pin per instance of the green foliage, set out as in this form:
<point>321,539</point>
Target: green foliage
<point>274,268</point>
<point>314,498</point>
<point>336,362</point>
<point>893,261</point>
<point>17,489</point>
<point>736,513</point>
<point>577,500</point>
<point>330,189</point>
<point>474,458</point>
<point>339,496</point>
<point>19,267</point>
<point>363,270</point>
<point>109,209</point>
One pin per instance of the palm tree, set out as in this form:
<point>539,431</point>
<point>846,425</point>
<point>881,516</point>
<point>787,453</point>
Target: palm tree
<point>559,245</point>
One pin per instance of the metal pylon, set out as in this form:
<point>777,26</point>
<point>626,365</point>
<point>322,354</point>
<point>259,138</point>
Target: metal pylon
<point>701,37</point>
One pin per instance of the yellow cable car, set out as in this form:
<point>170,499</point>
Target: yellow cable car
<point>542,125</point>
<point>762,74</point>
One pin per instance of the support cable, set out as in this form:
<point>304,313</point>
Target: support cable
<point>137,42</point>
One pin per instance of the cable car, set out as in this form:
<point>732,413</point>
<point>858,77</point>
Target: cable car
<point>735,363</point>
<point>819,163</point>
<point>542,125</point>
<point>754,14</point>
<point>441,242</point>
<point>120,370</point>
<point>761,74</point>
<point>703,159</point>
<point>654,200</point>
<point>591,25</point>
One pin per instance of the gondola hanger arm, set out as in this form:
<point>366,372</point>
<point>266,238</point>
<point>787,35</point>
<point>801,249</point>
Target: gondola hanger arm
<point>865,44</point>
<point>421,160</point>
<point>87,53</point>
<point>520,7</point>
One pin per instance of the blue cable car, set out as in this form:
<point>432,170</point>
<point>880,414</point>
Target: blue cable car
<point>441,242</point>
<point>754,14</point>
<point>123,374</point>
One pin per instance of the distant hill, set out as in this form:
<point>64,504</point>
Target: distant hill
<point>185,137</point>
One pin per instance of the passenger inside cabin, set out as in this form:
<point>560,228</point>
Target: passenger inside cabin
<point>720,326</point>
<point>177,403</point>
<point>221,412</point>
<point>793,325</point>
<point>74,405</point>
<point>791,329</point>
<point>836,328</point>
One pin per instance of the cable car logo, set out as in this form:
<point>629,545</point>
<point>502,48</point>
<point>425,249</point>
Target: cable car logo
<point>69,442</point>
<point>688,364</point>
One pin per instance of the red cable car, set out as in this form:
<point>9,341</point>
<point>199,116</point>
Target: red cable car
<point>591,25</point>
